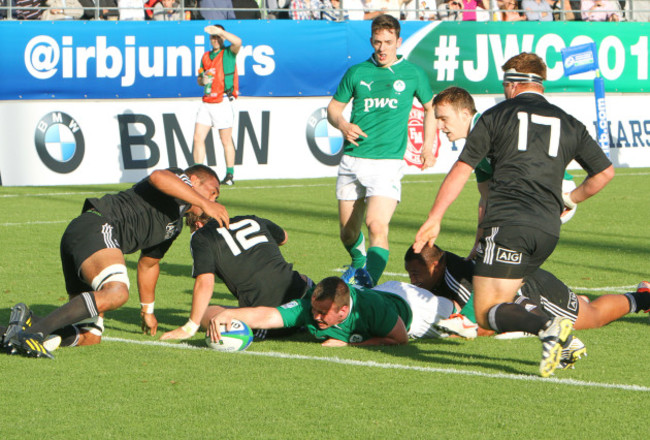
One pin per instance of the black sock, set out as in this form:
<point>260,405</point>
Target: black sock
<point>638,301</point>
<point>530,306</point>
<point>69,335</point>
<point>79,308</point>
<point>510,317</point>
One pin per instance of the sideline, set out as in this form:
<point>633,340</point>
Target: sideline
<point>391,366</point>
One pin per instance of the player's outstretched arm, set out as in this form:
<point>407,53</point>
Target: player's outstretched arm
<point>148,272</point>
<point>203,288</point>
<point>170,184</point>
<point>255,317</point>
<point>448,192</point>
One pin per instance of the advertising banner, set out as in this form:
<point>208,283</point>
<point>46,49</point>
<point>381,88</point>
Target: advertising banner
<point>73,142</point>
<point>118,60</point>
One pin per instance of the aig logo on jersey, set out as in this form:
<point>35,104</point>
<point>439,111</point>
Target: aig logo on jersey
<point>507,256</point>
<point>59,142</point>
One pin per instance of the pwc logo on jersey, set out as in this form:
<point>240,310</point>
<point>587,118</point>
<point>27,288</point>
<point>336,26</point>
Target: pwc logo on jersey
<point>377,103</point>
<point>59,142</point>
<point>325,142</point>
<point>507,256</point>
<point>290,305</point>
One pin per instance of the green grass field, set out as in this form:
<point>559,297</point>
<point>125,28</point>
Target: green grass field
<point>132,386</point>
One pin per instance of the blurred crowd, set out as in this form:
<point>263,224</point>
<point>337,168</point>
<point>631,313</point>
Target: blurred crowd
<point>333,10</point>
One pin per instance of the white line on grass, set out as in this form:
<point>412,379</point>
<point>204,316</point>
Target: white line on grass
<point>390,366</point>
<point>34,223</point>
<point>435,177</point>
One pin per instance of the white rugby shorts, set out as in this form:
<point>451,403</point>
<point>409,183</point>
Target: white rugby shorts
<point>428,309</point>
<point>218,115</point>
<point>359,178</point>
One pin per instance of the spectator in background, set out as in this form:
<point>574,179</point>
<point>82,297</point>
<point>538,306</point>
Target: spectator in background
<point>330,10</point>
<point>561,7</point>
<point>509,11</point>
<point>131,10</point>
<point>638,10</point>
<point>246,9</point>
<point>600,10</point>
<point>359,10</point>
<point>451,11</point>
<point>302,10</point>
<point>277,8</point>
<point>62,10</point>
<point>167,10</point>
<point>30,12</point>
<point>107,10</point>
<point>537,10</point>
<point>470,9</point>
<point>378,7</point>
<point>217,10</point>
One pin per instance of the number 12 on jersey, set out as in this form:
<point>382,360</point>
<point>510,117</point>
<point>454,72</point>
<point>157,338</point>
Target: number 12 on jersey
<point>240,236</point>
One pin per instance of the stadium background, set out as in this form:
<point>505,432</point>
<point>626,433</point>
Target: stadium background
<point>99,102</point>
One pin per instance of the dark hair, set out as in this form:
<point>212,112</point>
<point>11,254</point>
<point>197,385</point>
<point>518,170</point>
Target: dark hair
<point>201,171</point>
<point>427,256</point>
<point>385,22</point>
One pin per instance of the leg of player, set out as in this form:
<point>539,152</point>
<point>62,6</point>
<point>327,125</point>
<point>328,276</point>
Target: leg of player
<point>225,134</point>
<point>609,308</point>
<point>494,307</point>
<point>105,271</point>
<point>380,211</point>
<point>201,131</point>
<point>351,214</point>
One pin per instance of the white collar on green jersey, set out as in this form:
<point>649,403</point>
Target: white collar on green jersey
<point>399,59</point>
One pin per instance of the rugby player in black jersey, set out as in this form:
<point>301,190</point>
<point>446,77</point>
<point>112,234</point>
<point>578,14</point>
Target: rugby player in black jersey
<point>147,217</point>
<point>446,274</point>
<point>529,143</point>
<point>247,258</point>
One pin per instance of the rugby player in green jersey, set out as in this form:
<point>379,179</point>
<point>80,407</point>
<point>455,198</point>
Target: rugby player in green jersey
<point>381,89</point>
<point>339,314</point>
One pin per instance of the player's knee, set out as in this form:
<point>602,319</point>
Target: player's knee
<point>111,296</point>
<point>377,228</point>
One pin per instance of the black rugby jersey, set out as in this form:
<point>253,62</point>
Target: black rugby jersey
<point>529,143</point>
<point>247,258</point>
<point>143,217</point>
<point>456,284</point>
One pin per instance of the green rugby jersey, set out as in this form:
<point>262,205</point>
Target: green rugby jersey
<point>382,100</point>
<point>372,314</point>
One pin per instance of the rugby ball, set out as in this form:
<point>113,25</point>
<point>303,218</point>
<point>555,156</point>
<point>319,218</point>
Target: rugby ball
<point>568,213</point>
<point>238,338</point>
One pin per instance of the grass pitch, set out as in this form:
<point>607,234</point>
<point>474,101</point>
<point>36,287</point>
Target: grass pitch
<point>132,386</point>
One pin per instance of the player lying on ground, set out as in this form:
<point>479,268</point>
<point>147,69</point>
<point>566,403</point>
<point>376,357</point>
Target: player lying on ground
<point>247,258</point>
<point>146,217</point>
<point>448,275</point>
<point>340,314</point>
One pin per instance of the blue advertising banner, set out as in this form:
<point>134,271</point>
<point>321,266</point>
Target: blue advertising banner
<point>95,59</point>
<point>109,60</point>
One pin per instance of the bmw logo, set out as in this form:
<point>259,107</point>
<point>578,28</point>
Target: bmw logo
<point>59,142</point>
<point>325,142</point>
